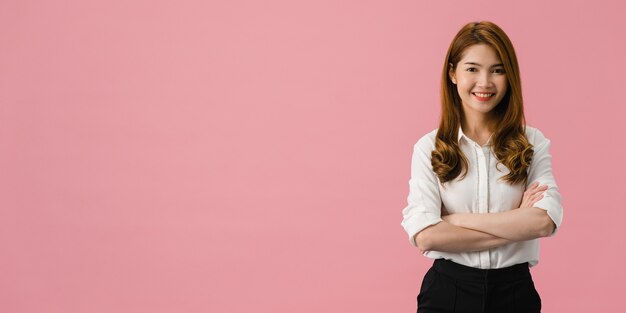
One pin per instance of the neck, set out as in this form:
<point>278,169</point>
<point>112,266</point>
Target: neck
<point>477,125</point>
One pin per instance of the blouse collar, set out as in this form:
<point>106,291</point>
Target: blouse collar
<point>462,134</point>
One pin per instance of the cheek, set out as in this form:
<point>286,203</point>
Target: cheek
<point>464,85</point>
<point>503,84</point>
<point>463,91</point>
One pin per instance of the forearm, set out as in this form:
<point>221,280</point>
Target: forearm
<point>520,224</point>
<point>446,237</point>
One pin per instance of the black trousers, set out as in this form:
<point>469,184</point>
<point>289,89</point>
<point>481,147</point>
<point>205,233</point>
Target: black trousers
<point>452,287</point>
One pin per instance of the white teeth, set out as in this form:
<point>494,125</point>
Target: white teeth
<point>484,95</point>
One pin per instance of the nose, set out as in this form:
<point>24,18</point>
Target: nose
<point>484,79</point>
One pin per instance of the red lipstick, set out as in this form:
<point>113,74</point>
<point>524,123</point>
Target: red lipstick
<point>483,99</point>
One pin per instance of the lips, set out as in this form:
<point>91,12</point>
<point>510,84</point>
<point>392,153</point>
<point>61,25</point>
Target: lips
<point>483,96</point>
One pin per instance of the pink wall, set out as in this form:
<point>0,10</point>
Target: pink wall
<point>253,156</point>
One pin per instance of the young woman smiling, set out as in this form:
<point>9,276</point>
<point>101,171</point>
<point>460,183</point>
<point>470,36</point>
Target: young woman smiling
<point>481,192</point>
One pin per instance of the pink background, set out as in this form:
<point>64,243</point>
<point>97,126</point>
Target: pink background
<point>254,156</point>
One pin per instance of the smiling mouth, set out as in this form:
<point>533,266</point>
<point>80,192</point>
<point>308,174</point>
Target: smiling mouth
<point>483,95</point>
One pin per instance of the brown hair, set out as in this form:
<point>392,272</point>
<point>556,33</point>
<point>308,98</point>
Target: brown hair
<point>509,142</point>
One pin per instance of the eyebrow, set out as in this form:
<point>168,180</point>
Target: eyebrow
<point>474,63</point>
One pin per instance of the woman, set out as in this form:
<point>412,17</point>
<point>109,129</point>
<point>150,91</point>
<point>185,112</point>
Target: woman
<point>481,191</point>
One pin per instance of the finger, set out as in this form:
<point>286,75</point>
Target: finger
<point>532,200</point>
<point>535,187</point>
<point>538,192</point>
<point>539,188</point>
<point>537,198</point>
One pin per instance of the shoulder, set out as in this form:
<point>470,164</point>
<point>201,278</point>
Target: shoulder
<point>427,142</point>
<point>535,136</point>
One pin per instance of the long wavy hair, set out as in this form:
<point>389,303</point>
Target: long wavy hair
<point>509,142</point>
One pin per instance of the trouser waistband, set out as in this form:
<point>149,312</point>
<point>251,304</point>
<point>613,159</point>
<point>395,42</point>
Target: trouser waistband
<point>466,273</point>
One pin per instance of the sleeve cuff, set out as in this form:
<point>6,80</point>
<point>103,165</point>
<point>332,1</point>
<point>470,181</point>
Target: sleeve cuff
<point>417,222</point>
<point>554,210</point>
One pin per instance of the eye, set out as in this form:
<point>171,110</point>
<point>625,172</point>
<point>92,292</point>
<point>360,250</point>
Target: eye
<point>471,69</point>
<point>499,71</point>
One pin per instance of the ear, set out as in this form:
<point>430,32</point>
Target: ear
<point>451,73</point>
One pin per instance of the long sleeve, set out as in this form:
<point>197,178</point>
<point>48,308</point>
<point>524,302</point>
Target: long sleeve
<point>541,171</point>
<point>424,200</point>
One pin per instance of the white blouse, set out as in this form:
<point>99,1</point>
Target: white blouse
<point>479,192</point>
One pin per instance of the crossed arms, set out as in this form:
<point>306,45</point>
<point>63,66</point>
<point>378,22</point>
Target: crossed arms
<point>430,228</point>
<point>465,232</point>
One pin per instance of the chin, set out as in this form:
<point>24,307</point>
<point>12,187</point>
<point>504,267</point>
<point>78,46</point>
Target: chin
<point>483,108</point>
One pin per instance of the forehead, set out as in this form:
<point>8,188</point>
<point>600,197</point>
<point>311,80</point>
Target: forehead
<point>480,53</point>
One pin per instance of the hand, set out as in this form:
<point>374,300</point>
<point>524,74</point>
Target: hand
<point>533,194</point>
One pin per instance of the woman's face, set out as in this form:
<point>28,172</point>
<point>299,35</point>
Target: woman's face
<point>480,79</point>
